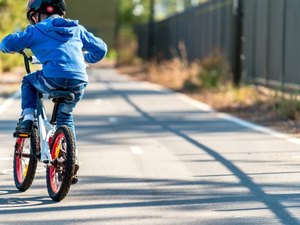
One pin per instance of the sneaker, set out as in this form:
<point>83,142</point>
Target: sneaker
<point>75,177</point>
<point>24,127</point>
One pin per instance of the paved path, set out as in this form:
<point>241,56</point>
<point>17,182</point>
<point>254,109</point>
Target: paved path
<point>151,156</point>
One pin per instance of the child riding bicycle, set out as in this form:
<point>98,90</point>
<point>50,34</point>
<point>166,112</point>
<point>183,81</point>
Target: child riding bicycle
<point>58,43</point>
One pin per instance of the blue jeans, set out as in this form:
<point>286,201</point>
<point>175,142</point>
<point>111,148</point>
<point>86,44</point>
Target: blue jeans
<point>34,82</point>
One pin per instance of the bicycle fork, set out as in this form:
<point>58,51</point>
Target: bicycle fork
<point>45,133</point>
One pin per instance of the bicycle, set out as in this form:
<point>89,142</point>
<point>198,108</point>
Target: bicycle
<point>54,146</point>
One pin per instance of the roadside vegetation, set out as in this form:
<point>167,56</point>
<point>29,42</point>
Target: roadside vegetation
<point>209,80</point>
<point>12,18</point>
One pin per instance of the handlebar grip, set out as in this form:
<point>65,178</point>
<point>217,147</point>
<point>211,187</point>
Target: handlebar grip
<point>26,61</point>
<point>34,60</point>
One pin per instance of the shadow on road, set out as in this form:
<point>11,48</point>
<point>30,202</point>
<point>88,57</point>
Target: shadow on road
<point>272,202</point>
<point>166,192</point>
<point>173,193</point>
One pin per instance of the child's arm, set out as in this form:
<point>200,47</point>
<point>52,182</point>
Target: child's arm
<point>95,47</point>
<point>17,41</point>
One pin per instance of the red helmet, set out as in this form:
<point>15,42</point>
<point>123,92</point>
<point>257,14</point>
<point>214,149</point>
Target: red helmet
<point>46,7</point>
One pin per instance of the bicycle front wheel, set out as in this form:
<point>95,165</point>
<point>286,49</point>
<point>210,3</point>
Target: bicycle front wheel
<point>59,174</point>
<point>25,160</point>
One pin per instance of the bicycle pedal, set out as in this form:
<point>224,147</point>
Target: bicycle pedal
<point>21,135</point>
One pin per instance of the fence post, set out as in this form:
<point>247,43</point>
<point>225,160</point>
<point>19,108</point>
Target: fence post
<point>151,31</point>
<point>117,31</point>
<point>238,42</point>
<point>283,47</point>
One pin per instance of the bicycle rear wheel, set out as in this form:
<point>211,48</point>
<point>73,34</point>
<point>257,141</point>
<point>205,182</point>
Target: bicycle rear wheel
<point>59,174</point>
<point>25,160</point>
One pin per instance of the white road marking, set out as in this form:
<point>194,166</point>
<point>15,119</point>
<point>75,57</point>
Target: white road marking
<point>241,122</point>
<point>9,101</point>
<point>99,101</point>
<point>13,203</point>
<point>6,158</point>
<point>196,104</point>
<point>112,119</point>
<point>10,171</point>
<point>136,150</point>
<point>206,108</point>
<point>7,171</point>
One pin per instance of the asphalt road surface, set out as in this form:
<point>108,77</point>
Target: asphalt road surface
<point>150,156</point>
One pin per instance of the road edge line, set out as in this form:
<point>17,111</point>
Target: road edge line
<point>8,101</point>
<point>204,107</point>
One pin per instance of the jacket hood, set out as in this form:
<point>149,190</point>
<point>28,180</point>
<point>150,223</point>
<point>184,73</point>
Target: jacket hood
<point>57,27</point>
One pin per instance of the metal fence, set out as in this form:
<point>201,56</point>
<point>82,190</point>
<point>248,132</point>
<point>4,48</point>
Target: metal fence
<point>199,29</point>
<point>271,43</point>
<point>270,39</point>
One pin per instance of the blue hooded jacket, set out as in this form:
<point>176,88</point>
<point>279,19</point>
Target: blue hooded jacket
<point>58,44</point>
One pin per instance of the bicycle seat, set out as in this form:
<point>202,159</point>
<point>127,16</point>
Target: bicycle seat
<point>68,95</point>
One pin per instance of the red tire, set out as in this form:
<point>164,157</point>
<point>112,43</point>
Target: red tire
<point>59,175</point>
<point>25,160</point>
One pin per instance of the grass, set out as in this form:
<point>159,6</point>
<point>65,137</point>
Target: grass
<point>172,74</point>
<point>288,106</point>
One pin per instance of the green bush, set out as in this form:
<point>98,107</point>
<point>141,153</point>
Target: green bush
<point>112,54</point>
<point>210,78</point>
<point>127,47</point>
<point>288,107</point>
<point>214,70</point>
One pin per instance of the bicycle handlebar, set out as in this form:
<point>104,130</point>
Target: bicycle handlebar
<point>29,59</point>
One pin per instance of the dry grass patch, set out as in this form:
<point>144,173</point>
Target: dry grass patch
<point>172,74</point>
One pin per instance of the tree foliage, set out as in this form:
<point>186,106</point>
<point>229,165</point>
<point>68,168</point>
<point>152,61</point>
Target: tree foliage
<point>138,11</point>
<point>12,19</point>
<point>12,15</point>
<point>133,11</point>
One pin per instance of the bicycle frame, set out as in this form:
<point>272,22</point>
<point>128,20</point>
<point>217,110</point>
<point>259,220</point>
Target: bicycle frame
<point>45,129</point>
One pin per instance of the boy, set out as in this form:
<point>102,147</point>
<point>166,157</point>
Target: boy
<point>58,44</point>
